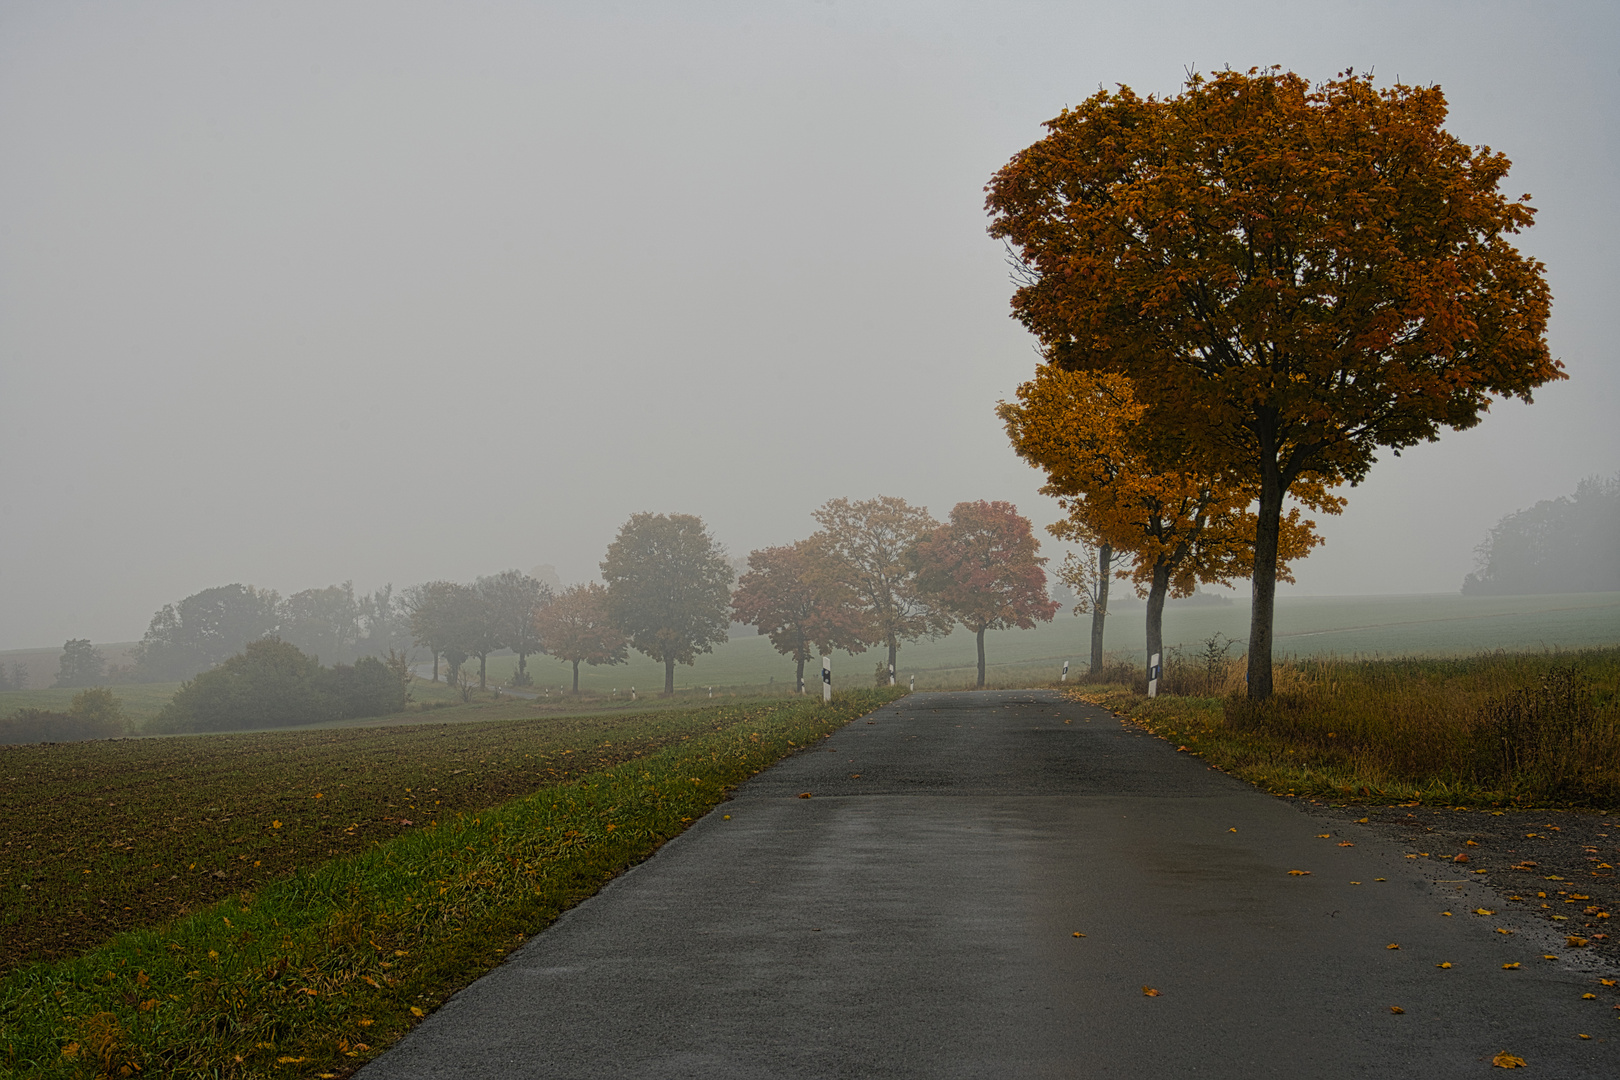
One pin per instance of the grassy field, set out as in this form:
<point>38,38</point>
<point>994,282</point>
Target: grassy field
<point>331,887</point>
<point>1498,729</point>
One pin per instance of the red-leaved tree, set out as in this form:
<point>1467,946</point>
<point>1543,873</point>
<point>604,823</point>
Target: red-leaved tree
<point>575,628</point>
<point>794,596</point>
<point>982,567</point>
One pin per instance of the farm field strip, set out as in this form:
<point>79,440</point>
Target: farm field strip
<point>112,835</point>
<point>323,968</point>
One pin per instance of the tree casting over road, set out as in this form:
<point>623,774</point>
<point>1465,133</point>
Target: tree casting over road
<point>1291,276</point>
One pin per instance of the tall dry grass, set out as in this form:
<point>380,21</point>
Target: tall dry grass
<point>1524,727</point>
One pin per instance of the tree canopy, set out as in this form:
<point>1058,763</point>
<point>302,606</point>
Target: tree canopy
<point>1563,545</point>
<point>1123,489</point>
<point>669,588</point>
<point>81,665</point>
<point>1292,276</point>
<point>794,596</point>
<point>982,568</point>
<point>204,629</point>
<point>868,540</point>
<point>577,628</point>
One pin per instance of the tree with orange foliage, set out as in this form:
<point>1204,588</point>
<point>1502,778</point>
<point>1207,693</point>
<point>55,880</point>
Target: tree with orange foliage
<point>576,628</point>
<point>981,566</point>
<point>1123,489</point>
<point>1293,276</point>
<point>793,595</point>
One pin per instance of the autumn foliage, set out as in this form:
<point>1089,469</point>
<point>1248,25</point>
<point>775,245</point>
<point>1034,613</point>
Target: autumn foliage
<point>981,567</point>
<point>793,595</point>
<point>1121,484</point>
<point>1292,276</point>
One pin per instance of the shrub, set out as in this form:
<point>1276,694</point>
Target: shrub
<point>268,684</point>
<point>93,714</point>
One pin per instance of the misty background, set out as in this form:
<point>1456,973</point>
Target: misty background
<point>296,294</point>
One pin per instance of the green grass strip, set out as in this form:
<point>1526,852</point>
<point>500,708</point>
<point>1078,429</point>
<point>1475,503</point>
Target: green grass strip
<point>318,972</point>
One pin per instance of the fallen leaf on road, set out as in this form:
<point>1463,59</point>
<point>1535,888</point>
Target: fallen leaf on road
<point>1548,956</point>
<point>1588,997</point>
<point>804,794</point>
<point>1443,964</point>
<point>1078,934</point>
<point>1511,967</point>
<point>1445,913</point>
<point>1298,873</point>
<point>1607,982</point>
<point>1392,945</point>
<point>1231,830</point>
<point>1483,911</point>
<point>1380,879</point>
<point>1148,991</point>
<point>1361,821</point>
<point>1505,1060</point>
<point>1499,930</point>
<point>1576,942</point>
<point>1324,836</point>
<point>1346,843</point>
<point>1396,1009</point>
<point>1583,1036</point>
<point>1460,858</point>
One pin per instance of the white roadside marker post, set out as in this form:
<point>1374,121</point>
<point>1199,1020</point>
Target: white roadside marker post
<point>1153,675</point>
<point>632,693</point>
<point>891,674</point>
<point>914,684</point>
<point>1065,677</point>
<point>826,680</point>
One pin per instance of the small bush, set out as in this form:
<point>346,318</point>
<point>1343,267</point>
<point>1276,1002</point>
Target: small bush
<point>93,714</point>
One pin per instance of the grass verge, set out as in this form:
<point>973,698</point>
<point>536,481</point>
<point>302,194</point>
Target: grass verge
<point>313,973</point>
<point>1502,729</point>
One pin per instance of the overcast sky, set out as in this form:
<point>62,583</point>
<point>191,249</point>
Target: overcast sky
<point>295,293</point>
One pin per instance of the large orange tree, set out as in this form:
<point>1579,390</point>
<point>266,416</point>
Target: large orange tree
<point>1293,276</point>
<point>1123,489</point>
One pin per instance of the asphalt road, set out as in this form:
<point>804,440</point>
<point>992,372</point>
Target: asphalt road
<point>918,920</point>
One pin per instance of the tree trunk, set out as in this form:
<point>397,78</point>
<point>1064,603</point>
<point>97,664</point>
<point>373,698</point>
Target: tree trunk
<point>1264,601</point>
<point>981,657</point>
<point>481,659</point>
<point>576,676</point>
<point>1099,608</point>
<point>669,677</point>
<point>435,667</point>
<point>523,665</point>
<point>1157,592</point>
<point>894,648</point>
<point>799,683</point>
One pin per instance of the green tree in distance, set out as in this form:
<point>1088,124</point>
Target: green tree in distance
<point>1292,277</point>
<point>81,665</point>
<point>669,588</point>
<point>511,600</point>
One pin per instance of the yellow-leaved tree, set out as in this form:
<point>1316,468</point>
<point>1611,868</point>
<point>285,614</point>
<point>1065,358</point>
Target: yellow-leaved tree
<point>1126,490</point>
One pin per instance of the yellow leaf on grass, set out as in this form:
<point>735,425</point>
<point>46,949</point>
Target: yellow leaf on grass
<point>417,1012</point>
<point>275,824</point>
<point>1148,991</point>
<point>1505,1060</point>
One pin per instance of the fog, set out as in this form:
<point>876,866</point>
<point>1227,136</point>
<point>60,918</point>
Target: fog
<point>298,293</point>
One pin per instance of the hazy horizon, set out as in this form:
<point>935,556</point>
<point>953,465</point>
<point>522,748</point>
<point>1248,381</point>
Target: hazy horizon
<point>394,292</point>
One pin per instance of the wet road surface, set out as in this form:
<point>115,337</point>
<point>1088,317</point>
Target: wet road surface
<point>915,917</point>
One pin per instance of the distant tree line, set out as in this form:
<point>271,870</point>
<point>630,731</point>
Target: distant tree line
<point>1563,545</point>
